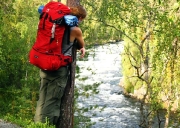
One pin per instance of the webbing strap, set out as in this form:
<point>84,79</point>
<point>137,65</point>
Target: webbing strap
<point>44,52</point>
<point>45,18</point>
<point>68,49</point>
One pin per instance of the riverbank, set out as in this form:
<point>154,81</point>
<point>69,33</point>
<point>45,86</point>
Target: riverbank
<point>138,94</point>
<point>174,113</point>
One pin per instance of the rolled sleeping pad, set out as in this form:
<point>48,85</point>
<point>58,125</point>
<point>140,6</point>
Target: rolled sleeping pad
<point>40,9</point>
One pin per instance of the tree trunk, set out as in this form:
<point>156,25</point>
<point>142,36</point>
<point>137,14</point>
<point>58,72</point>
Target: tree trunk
<point>66,110</point>
<point>71,3</point>
<point>67,102</point>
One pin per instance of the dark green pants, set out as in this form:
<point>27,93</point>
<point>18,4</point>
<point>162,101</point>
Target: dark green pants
<point>50,94</point>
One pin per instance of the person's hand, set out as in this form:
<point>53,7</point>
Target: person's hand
<point>82,50</point>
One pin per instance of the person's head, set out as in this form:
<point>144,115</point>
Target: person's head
<point>78,11</point>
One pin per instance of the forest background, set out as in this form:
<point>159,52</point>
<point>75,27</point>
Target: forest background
<point>150,31</point>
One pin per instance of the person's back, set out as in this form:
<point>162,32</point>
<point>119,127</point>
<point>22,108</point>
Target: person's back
<point>54,82</point>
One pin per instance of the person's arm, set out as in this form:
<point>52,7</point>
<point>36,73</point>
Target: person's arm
<point>79,37</point>
<point>77,33</point>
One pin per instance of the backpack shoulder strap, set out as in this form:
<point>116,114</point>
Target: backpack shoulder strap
<point>66,36</point>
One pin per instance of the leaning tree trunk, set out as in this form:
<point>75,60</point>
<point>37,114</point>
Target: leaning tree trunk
<point>66,109</point>
<point>71,3</point>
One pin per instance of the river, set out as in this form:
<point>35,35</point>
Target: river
<point>114,109</point>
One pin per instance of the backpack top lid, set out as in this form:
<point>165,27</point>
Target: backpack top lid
<point>55,9</point>
<point>70,20</point>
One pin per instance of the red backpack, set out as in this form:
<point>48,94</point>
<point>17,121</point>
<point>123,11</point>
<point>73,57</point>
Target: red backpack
<point>46,52</point>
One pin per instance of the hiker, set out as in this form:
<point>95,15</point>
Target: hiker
<point>53,82</point>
